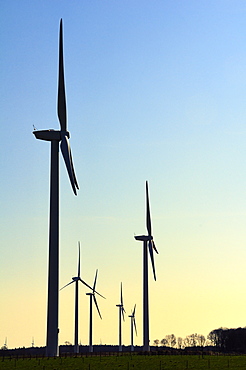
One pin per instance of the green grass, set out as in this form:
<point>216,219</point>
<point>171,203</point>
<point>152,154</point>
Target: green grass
<point>127,362</point>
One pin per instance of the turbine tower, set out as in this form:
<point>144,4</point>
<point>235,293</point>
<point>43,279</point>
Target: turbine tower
<point>55,136</point>
<point>76,280</point>
<point>92,297</point>
<point>133,326</point>
<point>148,243</point>
<point>121,314</point>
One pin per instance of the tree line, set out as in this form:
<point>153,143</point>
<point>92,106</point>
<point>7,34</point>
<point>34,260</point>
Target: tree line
<point>224,339</point>
<point>192,340</point>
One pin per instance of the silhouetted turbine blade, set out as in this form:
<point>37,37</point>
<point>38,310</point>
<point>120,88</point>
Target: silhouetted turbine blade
<point>61,101</point>
<point>121,295</point>
<point>79,261</point>
<point>74,176</point>
<point>71,282</point>
<point>154,247</point>
<point>133,312</point>
<point>95,281</point>
<point>99,294</point>
<point>122,312</point>
<point>66,152</point>
<point>95,301</point>
<point>152,258</point>
<point>83,282</point>
<point>134,323</point>
<point>148,219</point>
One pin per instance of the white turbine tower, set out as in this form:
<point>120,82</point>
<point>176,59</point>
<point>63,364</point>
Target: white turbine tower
<point>133,327</point>
<point>121,314</point>
<point>148,243</point>
<point>76,280</point>
<point>92,297</point>
<point>55,136</point>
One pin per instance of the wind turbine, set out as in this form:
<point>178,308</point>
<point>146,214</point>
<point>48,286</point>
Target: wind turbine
<point>148,243</point>
<point>121,314</point>
<point>133,326</point>
<point>92,297</point>
<point>76,280</point>
<point>55,136</point>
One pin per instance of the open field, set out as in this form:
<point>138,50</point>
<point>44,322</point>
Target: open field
<point>126,362</point>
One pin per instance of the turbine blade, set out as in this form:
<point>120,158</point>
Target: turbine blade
<point>135,326</point>
<point>148,218</point>
<point>99,294</point>
<point>95,301</point>
<point>133,312</point>
<point>83,282</point>
<point>73,171</point>
<point>122,312</point>
<point>66,152</point>
<point>154,247</point>
<point>95,281</point>
<point>61,100</point>
<point>152,257</point>
<point>67,284</point>
<point>79,261</point>
<point>121,295</point>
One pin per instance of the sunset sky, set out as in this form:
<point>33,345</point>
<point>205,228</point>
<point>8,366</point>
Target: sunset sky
<point>156,90</point>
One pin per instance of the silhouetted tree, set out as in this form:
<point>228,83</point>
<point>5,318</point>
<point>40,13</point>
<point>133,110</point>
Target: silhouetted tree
<point>164,342</point>
<point>229,340</point>
<point>201,340</point>
<point>172,340</point>
<point>179,342</point>
<point>217,338</point>
<point>186,341</point>
<point>169,340</point>
<point>156,342</point>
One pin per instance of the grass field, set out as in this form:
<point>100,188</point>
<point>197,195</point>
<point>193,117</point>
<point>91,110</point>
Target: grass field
<point>126,362</point>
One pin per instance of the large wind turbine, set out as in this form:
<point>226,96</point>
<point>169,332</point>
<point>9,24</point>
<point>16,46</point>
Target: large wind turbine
<point>92,296</point>
<point>133,326</point>
<point>55,136</point>
<point>121,314</point>
<point>148,243</point>
<point>76,280</point>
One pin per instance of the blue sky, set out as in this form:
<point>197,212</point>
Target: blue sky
<point>155,91</point>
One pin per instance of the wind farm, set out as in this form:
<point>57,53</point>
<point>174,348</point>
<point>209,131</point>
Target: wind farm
<point>152,94</point>
<point>53,300</point>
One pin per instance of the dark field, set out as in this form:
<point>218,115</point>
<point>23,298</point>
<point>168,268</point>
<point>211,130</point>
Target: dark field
<point>126,362</point>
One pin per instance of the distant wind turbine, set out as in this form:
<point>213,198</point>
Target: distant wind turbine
<point>55,136</point>
<point>76,280</point>
<point>148,243</point>
<point>121,315</point>
<point>133,327</point>
<point>92,297</point>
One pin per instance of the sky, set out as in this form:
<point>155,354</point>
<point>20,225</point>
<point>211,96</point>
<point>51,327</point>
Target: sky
<point>156,91</point>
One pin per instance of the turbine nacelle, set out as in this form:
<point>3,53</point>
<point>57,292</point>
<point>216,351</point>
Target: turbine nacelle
<point>49,135</point>
<point>76,278</point>
<point>143,238</point>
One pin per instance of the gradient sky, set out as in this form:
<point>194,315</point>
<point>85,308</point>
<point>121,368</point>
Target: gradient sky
<point>156,90</point>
